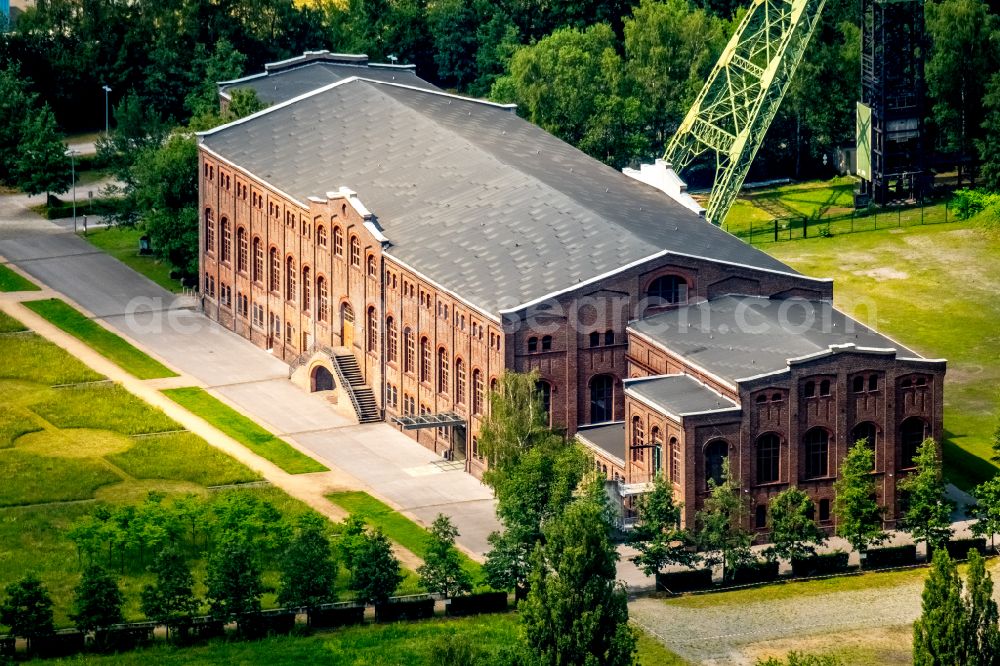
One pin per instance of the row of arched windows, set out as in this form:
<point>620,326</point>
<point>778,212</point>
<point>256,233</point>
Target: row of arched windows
<point>655,447</point>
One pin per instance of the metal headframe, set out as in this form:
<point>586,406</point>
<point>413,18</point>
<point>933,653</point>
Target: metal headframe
<point>741,97</point>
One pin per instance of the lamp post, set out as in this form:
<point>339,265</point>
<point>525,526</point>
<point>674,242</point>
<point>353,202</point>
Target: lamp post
<point>72,169</point>
<point>106,90</point>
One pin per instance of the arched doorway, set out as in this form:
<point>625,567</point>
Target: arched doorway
<point>347,325</point>
<point>322,379</point>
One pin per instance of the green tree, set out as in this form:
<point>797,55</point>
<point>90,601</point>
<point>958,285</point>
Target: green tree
<point>940,634</point>
<point>442,571</point>
<point>986,510</point>
<point>138,129</point>
<point>97,600</point>
<point>658,535</point>
<point>989,157</point>
<point>575,612</point>
<point>15,103</point>
<point>375,573</point>
<point>308,569</point>
<point>928,510</point>
<point>859,516</point>
<point>224,63</point>
<point>982,630</point>
<point>233,578</point>
<point>794,533</point>
<point>42,164</point>
<point>27,609</point>
<point>515,424</point>
<point>170,599</point>
<point>352,537</point>
<point>721,530</point>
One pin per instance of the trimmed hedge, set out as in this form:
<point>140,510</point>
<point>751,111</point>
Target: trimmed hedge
<point>60,644</point>
<point>474,604</point>
<point>395,611</point>
<point>762,571</point>
<point>958,549</point>
<point>267,623</point>
<point>336,616</point>
<point>121,639</point>
<point>820,565</point>
<point>684,581</point>
<point>895,556</point>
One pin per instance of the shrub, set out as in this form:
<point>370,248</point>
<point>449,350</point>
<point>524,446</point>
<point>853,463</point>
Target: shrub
<point>895,556</point>
<point>970,202</point>
<point>755,572</point>
<point>684,581</point>
<point>958,549</point>
<point>820,565</point>
<point>394,611</point>
<point>487,602</point>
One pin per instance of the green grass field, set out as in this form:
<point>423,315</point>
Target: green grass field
<point>11,281</point>
<point>10,325</point>
<point>123,245</point>
<point>395,525</point>
<point>245,431</point>
<point>100,339</point>
<point>933,288</point>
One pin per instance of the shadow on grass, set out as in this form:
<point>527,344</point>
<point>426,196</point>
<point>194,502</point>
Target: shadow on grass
<point>965,469</point>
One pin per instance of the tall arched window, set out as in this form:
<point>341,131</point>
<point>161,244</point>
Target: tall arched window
<point>546,341</point>
<point>392,340</point>
<point>459,382</point>
<point>338,242</point>
<point>675,460</point>
<point>867,432</point>
<point>226,245</point>
<point>275,277</point>
<point>601,398</point>
<point>638,439</point>
<point>442,370</point>
<point>289,279</point>
<point>545,394</point>
<point>425,360</point>
<point>478,390</point>
<point>716,453</point>
<point>667,290</point>
<point>656,439</point>
<point>409,350</point>
<point>242,250</point>
<point>372,267</point>
<point>372,324</point>
<point>912,432</point>
<point>209,231</point>
<point>258,261</point>
<point>817,453</point>
<point>355,251</point>
<point>768,458</point>
<point>321,236</point>
<point>306,290</point>
<point>323,299</point>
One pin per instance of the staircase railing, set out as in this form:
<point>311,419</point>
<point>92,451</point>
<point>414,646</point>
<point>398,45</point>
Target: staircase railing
<point>304,357</point>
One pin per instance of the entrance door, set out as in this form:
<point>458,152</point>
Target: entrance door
<point>347,325</point>
<point>458,437</point>
<point>322,379</point>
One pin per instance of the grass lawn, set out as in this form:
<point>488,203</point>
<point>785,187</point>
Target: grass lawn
<point>181,455</point>
<point>31,357</point>
<point>396,526</point>
<point>103,407</point>
<point>933,288</point>
<point>11,281</point>
<point>245,431</point>
<point>123,245</point>
<point>10,325</point>
<point>101,339</point>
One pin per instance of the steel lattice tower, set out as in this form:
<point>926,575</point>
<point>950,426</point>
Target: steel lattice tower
<point>741,97</point>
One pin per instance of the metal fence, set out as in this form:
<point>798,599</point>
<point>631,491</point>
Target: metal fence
<point>858,220</point>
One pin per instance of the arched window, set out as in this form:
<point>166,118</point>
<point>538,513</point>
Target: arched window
<point>656,439</point>
<point>824,387</point>
<point>810,390</point>
<point>323,299</point>
<point>602,398</point>
<point>675,460</point>
<point>638,439</point>
<point>494,385</point>
<point>459,382</point>
<point>258,261</point>
<point>355,251</point>
<point>226,246</point>
<point>532,345</point>
<point>275,277</point>
<point>209,231</point>
<point>425,360</point>
<point>372,269</point>
<point>289,279</point>
<point>306,290</point>
<point>595,339</point>
<point>442,370</point>
<point>716,453</point>
<point>372,324</point>
<point>545,395</point>
<point>478,390</point>
<point>817,453</point>
<point>242,250</point>
<point>392,340</point>
<point>768,458</point>
<point>338,242</point>
<point>609,337</point>
<point>912,432</point>
<point>667,290</point>
<point>858,385</point>
<point>546,342</point>
<point>868,433</point>
<point>321,235</point>
<point>409,351</point>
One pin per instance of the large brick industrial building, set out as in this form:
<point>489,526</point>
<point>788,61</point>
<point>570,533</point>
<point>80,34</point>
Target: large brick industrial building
<point>400,247</point>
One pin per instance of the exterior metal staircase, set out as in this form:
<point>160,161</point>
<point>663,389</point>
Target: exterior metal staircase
<point>353,382</point>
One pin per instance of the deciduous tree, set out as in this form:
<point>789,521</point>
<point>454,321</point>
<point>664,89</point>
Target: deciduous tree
<point>42,164</point>
<point>986,510</point>
<point>97,600</point>
<point>657,534</point>
<point>859,516</point>
<point>375,573</point>
<point>794,533</point>
<point>981,609</point>
<point>27,609</point>
<point>233,578</point>
<point>442,570</point>
<point>928,511</point>
<point>170,600</point>
<point>308,569</point>
<point>720,525</point>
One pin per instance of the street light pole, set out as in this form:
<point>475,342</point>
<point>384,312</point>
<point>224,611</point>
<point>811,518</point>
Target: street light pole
<point>72,166</point>
<point>106,89</point>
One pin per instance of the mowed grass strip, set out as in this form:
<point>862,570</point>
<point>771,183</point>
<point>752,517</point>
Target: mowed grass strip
<point>183,456</point>
<point>31,357</point>
<point>12,281</point>
<point>10,325</point>
<point>103,407</point>
<point>396,526</point>
<point>123,245</point>
<point>100,339</point>
<point>244,431</point>
<point>15,422</point>
<point>35,479</point>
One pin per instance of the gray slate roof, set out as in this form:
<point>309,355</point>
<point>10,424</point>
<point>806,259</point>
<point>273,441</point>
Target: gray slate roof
<point>609,437</point>
<point>678,394</point>
<point>475,198</point>
<point>737,337</point>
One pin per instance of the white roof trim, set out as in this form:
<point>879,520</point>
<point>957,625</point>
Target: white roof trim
<point>478,309</point>
<point>638,380</point>
<point>676,417</point>
<point>580,435</point>
<point>686,361</point>
<point>232,164</point>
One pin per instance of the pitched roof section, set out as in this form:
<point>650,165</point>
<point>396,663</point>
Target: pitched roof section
<point>739,337</point>
<point>607,437</point>
<point>288,79</point>
<point>478,200</point>
<point>678,395</point>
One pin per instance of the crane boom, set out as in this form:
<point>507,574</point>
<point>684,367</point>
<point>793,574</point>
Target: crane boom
<point>741,96</point>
